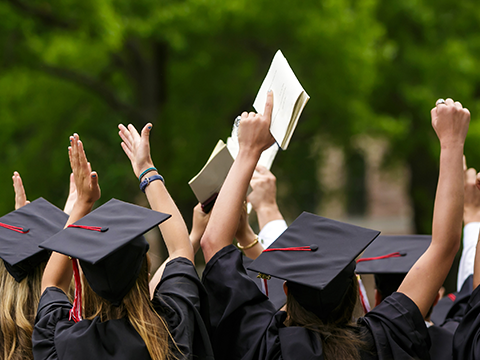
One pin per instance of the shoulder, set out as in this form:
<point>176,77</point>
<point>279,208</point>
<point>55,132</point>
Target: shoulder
<point>53,310</point>
<point>398,328</point>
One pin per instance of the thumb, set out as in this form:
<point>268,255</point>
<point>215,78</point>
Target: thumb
<point>94,177</point>
<point>146,131</point>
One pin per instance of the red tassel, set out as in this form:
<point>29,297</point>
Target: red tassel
<point>15,228</point>
<point>93,228</point>
<point>300,248</point>
<point>76,310</point>
<point>392,255</point>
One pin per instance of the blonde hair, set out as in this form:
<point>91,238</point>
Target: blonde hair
<point>137,308</point>
<point>18,307</point>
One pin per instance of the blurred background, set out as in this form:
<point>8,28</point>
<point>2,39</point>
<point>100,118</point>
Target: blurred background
<point>363,151</point>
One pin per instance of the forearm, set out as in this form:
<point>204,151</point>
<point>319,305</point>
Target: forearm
<point>428,274</point>
<point>226,212</point>
<point>174,230</point>
<point>448,208</point>
<point>58,271</point>
<point>267,213</point>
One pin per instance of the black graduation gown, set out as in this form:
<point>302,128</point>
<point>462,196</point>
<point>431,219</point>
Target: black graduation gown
<point>442,343</point>
<point>466,341</point>
<point>178,298</point>
<point>450,310</point>
<point>245,324</point>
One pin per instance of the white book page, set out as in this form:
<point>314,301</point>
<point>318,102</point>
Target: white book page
<point>286,90</point>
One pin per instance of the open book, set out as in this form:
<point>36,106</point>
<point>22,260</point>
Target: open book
<point>207,183</point>
<point>289,99</point>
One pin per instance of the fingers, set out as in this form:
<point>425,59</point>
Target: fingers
<point>269,104</point>
<point>464,163</point>
<point>133,132</point>
<point>20,196</point>
<point>478,181</point>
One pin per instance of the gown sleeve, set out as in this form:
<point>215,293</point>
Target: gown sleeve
<point>53,308</point>
<point>466,341</point>
<point>398,329</point>
<point>181,300</point>
<point>239,312</point>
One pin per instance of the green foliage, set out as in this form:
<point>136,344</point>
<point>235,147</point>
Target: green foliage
<point>191,66</point>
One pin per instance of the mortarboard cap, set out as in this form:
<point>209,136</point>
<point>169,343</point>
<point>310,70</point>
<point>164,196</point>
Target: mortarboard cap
<point>389,258</point>
<point>109,244</point>
<point>22,230</point>
<point>316,256</point>
<point>392,254</point>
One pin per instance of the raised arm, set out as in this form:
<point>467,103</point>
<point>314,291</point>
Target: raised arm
<point>20,196</point>
<point>450,121</point>
<point>253,137</point>
<point>72,196</point>
<point>58,271</point>
<point>174,231</point>
<point>200,221</point>
<point>247,240</point>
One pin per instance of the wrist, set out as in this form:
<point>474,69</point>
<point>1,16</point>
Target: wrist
<point>146,170</point>
<point>244,238</point>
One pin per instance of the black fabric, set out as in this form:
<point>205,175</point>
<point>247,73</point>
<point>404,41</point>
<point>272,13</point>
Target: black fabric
<point>410,247</point>
<point>321,266</point>
<point>466,341</point>
<point>111,258</point>
<point>19,251</point>
<point>177,300</point>
<point>442,343</point>
<point>276,294</point>
<point>111,281</point>
<point>246,326</point>
<point>449,312</point>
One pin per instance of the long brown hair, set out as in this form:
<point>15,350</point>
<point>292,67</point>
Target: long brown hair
<point>137,308</point>
<point>18,307</point>
<point>339,332</point>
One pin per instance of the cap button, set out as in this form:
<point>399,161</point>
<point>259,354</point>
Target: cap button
<point>313,247</point>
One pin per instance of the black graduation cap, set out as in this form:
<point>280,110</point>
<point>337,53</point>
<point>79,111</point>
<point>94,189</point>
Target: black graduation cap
<point>389,258</point>
<point>22,230</point>
<point>393,254</point>
<point>316,256</point>
<point>109,244</point>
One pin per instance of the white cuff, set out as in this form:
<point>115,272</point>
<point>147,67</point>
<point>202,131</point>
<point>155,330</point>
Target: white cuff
<point>470,238</point>
<point>271,231</point>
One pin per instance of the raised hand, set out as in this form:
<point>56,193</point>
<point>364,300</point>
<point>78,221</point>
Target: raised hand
<point>137,147</point>
<point>254,129</point>
<point>72,196</point>
<point>264,188</point>
<point>20,196</point>
<point>450,121</point>
<point>86,180</point>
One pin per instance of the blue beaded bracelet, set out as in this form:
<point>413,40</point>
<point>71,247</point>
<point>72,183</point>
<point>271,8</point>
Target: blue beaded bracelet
<point>146,172</point>
<point>147,181</point>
